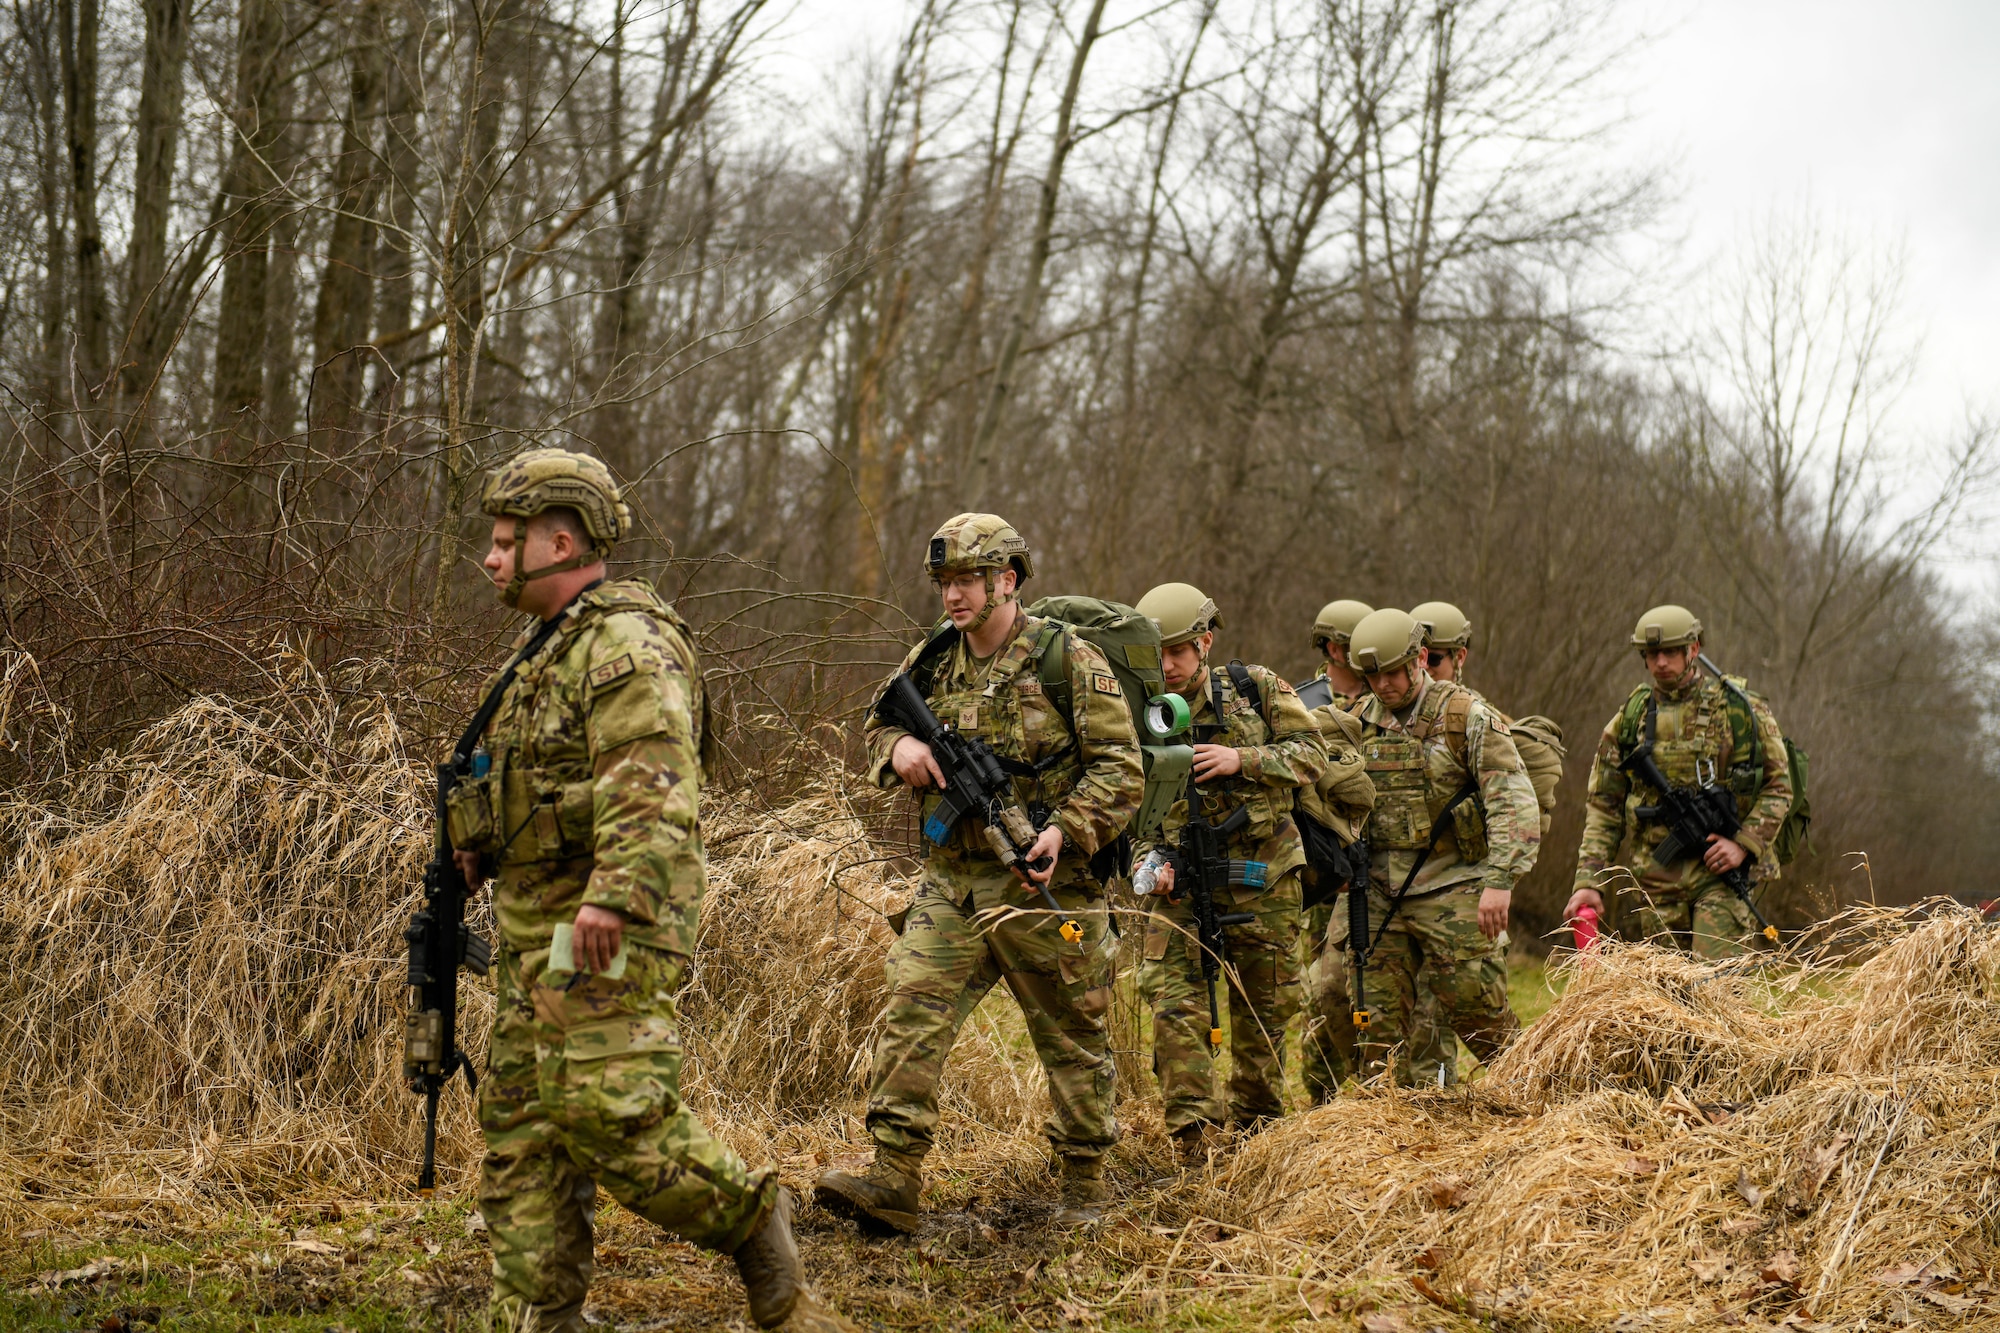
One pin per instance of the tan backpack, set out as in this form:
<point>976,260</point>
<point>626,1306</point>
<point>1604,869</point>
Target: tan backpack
<point>1540,742</point>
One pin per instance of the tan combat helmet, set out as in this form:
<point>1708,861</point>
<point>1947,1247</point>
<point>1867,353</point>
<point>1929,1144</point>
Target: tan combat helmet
<point>542,479</point>
<point>1666,627</point>
<point>1383,641</point>
<point>980,544</point>
<point>1445,626</point>
<point>1182,611</point>
<point>1336,621</point>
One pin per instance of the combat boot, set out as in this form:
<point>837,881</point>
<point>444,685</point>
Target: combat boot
<point>1193,1143</point>
<point>1084,1193</point>
<point>768,1262</point>
<point>885,1196</point>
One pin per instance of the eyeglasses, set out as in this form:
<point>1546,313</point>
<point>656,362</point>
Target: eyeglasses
<point>1433,657</point>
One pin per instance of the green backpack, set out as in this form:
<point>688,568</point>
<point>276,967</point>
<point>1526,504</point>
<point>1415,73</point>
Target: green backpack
<point>1130,642</point>
<point>1745,778</point>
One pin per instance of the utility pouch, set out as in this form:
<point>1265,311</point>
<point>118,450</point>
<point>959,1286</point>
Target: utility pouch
<point>1468,821</point>
<point>472,815</point>
<point>544,820</point>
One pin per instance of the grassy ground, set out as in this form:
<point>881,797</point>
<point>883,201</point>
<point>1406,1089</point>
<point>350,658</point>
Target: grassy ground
<point>987,1261</point>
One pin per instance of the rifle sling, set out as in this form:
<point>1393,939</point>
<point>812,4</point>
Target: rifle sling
<point>1416,867</point>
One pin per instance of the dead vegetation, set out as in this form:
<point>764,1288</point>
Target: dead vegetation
<point>202,1010</point>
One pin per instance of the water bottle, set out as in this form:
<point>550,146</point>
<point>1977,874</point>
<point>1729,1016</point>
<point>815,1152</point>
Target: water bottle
<point>482,762</point>
<point>1147,877</point>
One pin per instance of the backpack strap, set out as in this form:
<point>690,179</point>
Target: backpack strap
<point>1629,717</point>
<point>1744,737</point>
<point>1052,669</point>
<point>1246,686</point>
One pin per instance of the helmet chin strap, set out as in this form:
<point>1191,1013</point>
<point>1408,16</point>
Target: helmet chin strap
<point>992,604</point>
<point>523,577</point>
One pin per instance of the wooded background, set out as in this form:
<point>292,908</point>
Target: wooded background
<point>1293,300</point>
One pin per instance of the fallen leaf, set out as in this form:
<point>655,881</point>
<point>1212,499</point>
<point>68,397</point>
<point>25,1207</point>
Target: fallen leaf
<point>1430,1293</point>
<point>1903,1274</point>
<point>1432,1258</point>
<point>474,1224</point>
<point>1678,1103</point>
<point>1710,1269</point>
<point>1719,1113</point>
<point>1385,1322</point>
<point>1640,1166</point>
<point>1821,1161</point>
<point>1743,1226</point>
<point>1076,1313</point>
<point>312,1246</point>
<point>113,1323</point>
<point>366,1238</point>
<point>1780,1267</point>
<point>1946,1301</point>
<point>1447,1192</point>
<point>1751,1194</point>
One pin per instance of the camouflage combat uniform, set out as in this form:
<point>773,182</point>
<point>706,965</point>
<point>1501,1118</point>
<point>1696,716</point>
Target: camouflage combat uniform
<point>1419,761</point>
<point>591,799</point>
<point>1685,904</point>
<point>950,954</point>
<point>1279,756</point>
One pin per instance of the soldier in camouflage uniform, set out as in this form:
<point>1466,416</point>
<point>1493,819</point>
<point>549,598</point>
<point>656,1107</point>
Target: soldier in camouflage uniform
<point>582,805</point>
<point>1326,1046</point>
<point>1434,747</point>
<point>1688,715</point>
<point>974,922</point>
<point>1252,753</point>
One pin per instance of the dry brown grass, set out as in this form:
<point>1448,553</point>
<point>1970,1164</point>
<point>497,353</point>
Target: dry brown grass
<point>204,933</point>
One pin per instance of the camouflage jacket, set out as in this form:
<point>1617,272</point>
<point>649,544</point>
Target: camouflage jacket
<point>1279,757</point>
<point>1344,794</point>
<point>1451,736</point>
<point>1692,730</point>
<point>596,773</point>
<point>1092,788</point>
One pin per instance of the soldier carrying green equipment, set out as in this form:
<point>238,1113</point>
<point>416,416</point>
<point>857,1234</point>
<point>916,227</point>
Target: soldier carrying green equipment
<point>979,916</point>
<point>580,802</point>
<point>1703,735</point>
<point>1257,746</point>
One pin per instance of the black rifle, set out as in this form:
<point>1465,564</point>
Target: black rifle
<point>976,784</point>
<point>441,942</point>
<point>1203,868</point>
<point>1357,932</point>
<point>1691,815</point>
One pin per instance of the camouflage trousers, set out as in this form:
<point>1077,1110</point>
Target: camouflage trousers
<point>582,1088</point>
<point>1326,1044</point>
<point>1709,921</point>
<point>1433,946</point>
<point>957,942</point>
<point>1261,982</point>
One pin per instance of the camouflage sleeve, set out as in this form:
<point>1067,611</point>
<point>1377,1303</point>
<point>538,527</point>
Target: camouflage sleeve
<point>1774,799</point>
<point>1513,819</point>
<point>1295,755</point>
<point>1344,788</point>
<point>1107,792</point>
<point>643,694</point>
<point>878,737</point>
<point>1603,810</point>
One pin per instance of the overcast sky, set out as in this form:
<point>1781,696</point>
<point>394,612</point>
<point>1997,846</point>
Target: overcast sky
<point>1883,118</point>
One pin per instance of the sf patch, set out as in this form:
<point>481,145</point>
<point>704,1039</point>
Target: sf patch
<point>615,669</point>
<point>1104,684</point>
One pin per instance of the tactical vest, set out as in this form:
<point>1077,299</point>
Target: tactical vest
<point>1414,781</point>
<point>1009,709</point>
<point>536,799</point>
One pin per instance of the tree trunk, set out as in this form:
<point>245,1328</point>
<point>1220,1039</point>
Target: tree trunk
<point>978,472</point>
<point>244,310</point>
<point>93,316</point>
<point>162,63</point>
<point>347,279</point>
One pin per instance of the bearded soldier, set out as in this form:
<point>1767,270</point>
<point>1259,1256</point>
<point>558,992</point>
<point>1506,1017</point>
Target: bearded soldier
<point>1071,753</point>
<point>1703,729</point>
<point>1255,747</point>
<point>1454,826</point>
<point>582,806</point>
